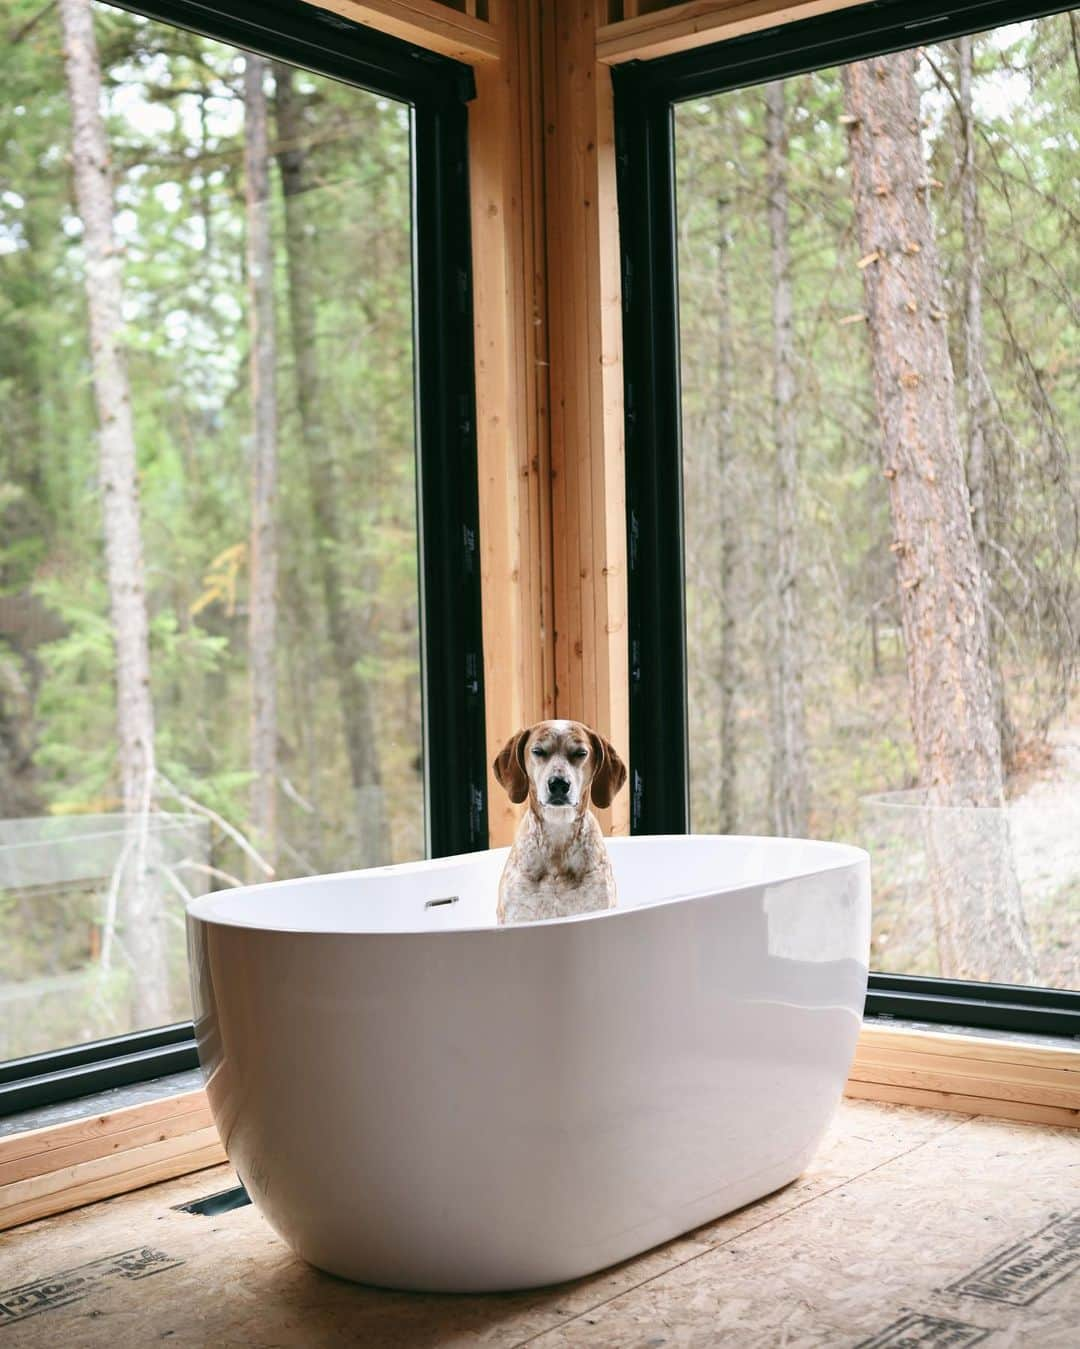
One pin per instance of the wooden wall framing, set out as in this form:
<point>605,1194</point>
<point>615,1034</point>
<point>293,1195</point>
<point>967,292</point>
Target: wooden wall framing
<point>585,343</point>
<point>446,29</point>
<point>546,289</point>
<point>974,1075</point>
<point>51,1170</point>
<point>649,29</point>
<point>549,384</point>
<point>512,391</point>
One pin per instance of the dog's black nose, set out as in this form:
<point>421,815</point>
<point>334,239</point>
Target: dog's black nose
<point>558,787</point>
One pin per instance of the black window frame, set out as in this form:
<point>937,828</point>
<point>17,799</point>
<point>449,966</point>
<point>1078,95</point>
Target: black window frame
<point>438,90</point>
<point>645,95</point>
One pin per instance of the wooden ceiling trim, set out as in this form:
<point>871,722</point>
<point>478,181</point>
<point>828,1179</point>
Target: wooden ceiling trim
<point>681,27</point>
<point>425,23</point>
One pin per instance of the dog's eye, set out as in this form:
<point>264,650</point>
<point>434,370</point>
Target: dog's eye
<point>540,753</point>
<point>580,753</point>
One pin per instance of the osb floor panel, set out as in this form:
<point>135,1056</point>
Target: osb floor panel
<point>912,1227</point>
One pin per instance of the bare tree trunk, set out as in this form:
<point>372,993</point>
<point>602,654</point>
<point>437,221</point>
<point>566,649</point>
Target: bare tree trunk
<point>345,629</point>
<point>727,658</point>
<point>976,383</point>
<point>982,933</point>
<point>789,780</point>
<point>262,622</point>
<point>875,643</point>
<point>141,909</point>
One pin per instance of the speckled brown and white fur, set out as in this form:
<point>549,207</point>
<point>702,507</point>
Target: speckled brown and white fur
<point>559,863</point>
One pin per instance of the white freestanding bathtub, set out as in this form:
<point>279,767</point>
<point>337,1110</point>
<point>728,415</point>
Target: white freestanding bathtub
<point>417,1098</point>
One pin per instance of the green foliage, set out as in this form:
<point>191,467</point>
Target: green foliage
<point>1027,106</point>
<point>175,122</point>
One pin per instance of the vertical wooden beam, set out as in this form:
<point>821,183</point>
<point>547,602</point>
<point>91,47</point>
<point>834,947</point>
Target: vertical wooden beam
<point>509,292</point>
<point>546,288</point>
<point>585,344</point>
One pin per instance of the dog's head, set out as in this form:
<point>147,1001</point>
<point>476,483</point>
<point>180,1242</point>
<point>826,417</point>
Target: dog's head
<point>560,763</point>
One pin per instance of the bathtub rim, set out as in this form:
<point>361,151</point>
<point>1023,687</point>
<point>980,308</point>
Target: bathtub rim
<point>847,855</point>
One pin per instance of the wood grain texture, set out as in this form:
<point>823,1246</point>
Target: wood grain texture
<point>681,27</point>
<point>136,1158</point>
<point>50,1170</point>
<point>1023,1112</point>
<point>509,302</point>
<point>1057,1056</point>
<point>974,1076</point>
<point>46,1140</point>
<point>973,1082</point>
<point>585,344</point>
<point>426,23</point>
<point>105,1144</point>
<point>86,1190</point>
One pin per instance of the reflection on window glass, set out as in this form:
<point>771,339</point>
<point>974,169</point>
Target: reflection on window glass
<point>878,279</point>
<point>209,629</point>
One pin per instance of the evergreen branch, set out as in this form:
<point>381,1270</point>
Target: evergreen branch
<point>17,35</point>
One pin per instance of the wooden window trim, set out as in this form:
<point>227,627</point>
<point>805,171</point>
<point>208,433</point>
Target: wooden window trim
<point>424,23</point>
<point>975,1075</point>
<point>682,27</point>
<point>62,1166</point>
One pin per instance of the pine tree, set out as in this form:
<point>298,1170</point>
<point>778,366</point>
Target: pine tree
<point>981,928</point>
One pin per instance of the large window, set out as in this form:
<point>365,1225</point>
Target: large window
<point>236,642</point>
<point>854,493</point>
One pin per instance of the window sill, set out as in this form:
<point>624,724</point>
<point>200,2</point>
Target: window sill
<point>56,1167</point>
<point>1020,1077</point>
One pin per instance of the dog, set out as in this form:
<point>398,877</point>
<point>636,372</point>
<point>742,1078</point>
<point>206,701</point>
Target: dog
<point>559,863</point>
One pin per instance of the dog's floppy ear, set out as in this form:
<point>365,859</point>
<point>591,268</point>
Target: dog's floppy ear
<point>610,771</point>
<point>510,767</point>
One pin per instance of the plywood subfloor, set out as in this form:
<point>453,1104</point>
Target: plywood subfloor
<point>912,1227</point>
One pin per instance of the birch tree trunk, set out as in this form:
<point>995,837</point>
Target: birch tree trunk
<point>141,908</point>
<point>981,929</point>
<point>976,384</point>
<point>262,620</point>
<point>788,739</point>
<point>345,629</point>
<point>727,656</point>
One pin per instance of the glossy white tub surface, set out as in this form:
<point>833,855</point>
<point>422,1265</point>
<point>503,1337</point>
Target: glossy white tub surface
<point>418,1098</point>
